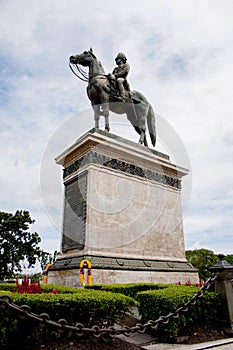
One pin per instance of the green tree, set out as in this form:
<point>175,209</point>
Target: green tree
<point>229,258</point>
<point>202,259</point>
<point>16,242</point>
<point>47,258</point>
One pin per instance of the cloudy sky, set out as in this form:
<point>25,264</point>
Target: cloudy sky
<point>181,58</point>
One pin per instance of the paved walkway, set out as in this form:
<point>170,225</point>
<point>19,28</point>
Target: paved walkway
<point>223,344</point>
<point>145,342</point>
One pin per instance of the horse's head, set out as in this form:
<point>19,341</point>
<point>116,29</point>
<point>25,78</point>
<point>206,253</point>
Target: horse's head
<point>84,58</point>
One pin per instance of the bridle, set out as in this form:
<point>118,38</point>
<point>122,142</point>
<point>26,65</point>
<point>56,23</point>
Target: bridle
<point>83,76</point>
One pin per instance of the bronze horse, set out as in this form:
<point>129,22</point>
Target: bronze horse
<point>102,95</point>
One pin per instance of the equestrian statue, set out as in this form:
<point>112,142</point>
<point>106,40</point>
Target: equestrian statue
<point>112,92</point>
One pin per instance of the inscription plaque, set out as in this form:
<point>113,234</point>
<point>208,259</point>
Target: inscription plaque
<point>74,221</point>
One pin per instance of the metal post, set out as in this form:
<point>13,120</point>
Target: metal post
<point>223,285</point>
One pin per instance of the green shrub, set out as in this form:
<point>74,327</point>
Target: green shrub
<point>10,287</point>
<point>128,289</point>
<point>85,306</point>
<point>48,288</point>
<point>103,304</point>
<point>78,307</point>
<point>154,304</point>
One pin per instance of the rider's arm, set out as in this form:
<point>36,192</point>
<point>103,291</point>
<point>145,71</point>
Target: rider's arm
<point>122,71</point>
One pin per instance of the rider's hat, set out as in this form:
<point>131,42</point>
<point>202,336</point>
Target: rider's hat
<point>122,56</point>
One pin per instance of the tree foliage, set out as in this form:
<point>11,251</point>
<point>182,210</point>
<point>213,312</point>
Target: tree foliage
<point>47,258</point>
<point>16,242</point>
<point>229,258</point>
<point>202,259</point>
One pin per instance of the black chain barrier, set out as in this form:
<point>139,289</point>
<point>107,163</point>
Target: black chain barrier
<point>79,329</point>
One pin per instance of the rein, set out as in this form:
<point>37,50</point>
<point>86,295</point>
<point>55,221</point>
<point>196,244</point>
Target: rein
<point>84,78</point>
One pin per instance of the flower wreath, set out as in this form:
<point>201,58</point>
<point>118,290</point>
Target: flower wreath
<point>46,273</point>
<point>81,272</point>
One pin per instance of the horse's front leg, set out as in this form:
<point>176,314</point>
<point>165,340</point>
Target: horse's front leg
<point>96,109</point>
<point>107,125</point>
<point>105,107</point>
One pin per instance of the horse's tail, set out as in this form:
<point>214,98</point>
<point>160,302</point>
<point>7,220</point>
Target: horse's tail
<point>151,124</point>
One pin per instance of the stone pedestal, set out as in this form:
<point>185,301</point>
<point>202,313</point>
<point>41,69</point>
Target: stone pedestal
<point>122,212</point>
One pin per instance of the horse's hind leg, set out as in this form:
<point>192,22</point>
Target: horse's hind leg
<point>142,139</point>
<point>145,141</point>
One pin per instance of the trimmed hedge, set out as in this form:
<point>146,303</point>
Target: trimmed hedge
<point>84,306</point>
<point>10,287</point>
<point>48,288</point>
<point>154,304</point>
<point>103,305</point>
<point>128,289</point>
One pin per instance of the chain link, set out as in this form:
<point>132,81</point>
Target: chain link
<point>79,329</point>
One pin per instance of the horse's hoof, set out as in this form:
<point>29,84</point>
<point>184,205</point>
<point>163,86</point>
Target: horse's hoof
<point>107,128</point>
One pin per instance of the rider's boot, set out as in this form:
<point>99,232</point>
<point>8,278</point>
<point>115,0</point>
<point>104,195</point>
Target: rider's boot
<point>121,90</point>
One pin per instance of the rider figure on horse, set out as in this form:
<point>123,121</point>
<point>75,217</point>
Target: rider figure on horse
<point>119,75</point>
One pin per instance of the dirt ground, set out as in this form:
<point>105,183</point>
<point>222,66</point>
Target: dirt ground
<point>195,334</point>
<point>200,334</point>
<point>73,344</point>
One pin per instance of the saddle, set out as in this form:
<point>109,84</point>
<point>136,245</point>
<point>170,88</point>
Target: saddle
<point>114,95</point>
